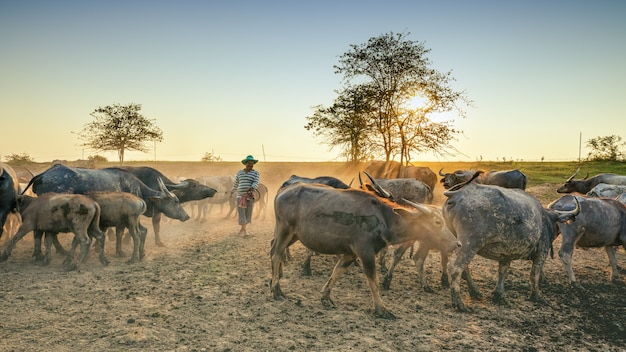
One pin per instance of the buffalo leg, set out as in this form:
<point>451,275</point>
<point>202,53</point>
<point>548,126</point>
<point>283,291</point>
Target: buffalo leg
<point>566,251</point>
<point>156,225</point>
<point>282,239</point>
<point>340,267</point>
<point>142,240</point>
<point>536,271</point>
<point>306,265</point>
<point>81,239</point>
<point>119,232</point>
<point>610,252</point>
<point>21,232</point>
<point>456,267</point>
<point>368,263</point>
<point>503,272</point>
<point>39,257</point>
<point>398,252</point>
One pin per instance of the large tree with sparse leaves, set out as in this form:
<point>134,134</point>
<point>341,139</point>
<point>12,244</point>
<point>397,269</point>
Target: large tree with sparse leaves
<point>390,71</point>
<point>120,128</point>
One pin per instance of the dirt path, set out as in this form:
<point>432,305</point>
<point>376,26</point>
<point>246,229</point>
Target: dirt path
<point>208,291</point>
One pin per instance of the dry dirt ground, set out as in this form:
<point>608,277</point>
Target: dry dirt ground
<point>208,291</point>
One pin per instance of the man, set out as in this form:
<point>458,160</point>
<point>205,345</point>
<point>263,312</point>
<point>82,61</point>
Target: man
<point>246,183</point>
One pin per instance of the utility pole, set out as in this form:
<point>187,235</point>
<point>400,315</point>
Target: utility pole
<point>580,140</point>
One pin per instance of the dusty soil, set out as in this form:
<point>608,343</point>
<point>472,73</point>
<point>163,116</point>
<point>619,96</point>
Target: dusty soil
<point>208,291</point>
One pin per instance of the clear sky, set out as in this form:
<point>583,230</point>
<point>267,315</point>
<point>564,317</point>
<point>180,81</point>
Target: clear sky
<point>239,77</point>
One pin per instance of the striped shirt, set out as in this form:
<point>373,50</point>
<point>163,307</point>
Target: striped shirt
<point>246,180</point>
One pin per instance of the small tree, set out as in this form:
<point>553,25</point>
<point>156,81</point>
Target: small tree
<point>120,128</point>
<point>19,159</point>
<point>607,148</point>
<point>210,157</point>
<point>97,158</point>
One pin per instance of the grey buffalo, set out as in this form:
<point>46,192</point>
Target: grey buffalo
<point>351,223</point>
<point>601,223</point>
<point>185,191</point>
<point>63,179</point>
<point>407,188</point>
<point>605,190</point>
<point>507,178</point>
<point>9,189</point>
<point>585,185</point>
<point>500,224</point>
<point>55,213</point>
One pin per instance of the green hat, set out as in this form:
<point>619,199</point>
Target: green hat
<point>249,158</point>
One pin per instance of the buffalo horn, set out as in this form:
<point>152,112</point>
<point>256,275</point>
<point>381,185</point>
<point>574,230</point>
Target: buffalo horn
<point>420,207</point>
<point>378,187</point>
<point>574,175</point>
<point>164,189</point>
<point>441,173</point>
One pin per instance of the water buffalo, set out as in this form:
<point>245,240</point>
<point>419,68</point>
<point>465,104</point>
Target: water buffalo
<point>223,185</point>
<point>601,223</point>
<point>321,180</point>
<point>407,188</point>
<point>63,179</point>
<point>187,190</point>
<point>351,223</point>
<point>604,190</point>
<point>55,213</point>
<point>506,179</point>
<point>500,224</point>
<point>585,185</point>
<point>422,173</point>
<point>9,189</point>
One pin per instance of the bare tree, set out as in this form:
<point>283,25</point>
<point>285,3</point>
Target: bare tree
<point>394,70</point>
<point>120,128</point>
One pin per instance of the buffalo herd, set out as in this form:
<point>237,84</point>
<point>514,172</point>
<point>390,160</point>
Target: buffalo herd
<point>485,213</point>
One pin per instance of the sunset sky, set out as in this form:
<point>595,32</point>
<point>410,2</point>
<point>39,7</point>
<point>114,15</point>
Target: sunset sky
<point>239,77</point>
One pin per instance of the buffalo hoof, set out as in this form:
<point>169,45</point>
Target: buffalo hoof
<point>386,283</point>
<point>4,257</point>
<point>476,295</point>
<point>428,289</point>
<point>327,302</point>
<point>537,298</point>
<point>445,283</point>
<point>70,267</point>
<point>132,260</point>
<point>159,244</point>
<point>120,254</point>
<point>104,261</point>
<point>499,299</point>
<point>384,314</point>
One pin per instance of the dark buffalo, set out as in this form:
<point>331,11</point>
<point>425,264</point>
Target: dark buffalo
<point>63,179</point>
<point>383,169</point>
<point>499,224</point>
<point>422,173</point>
<point>223,185</point>
<point>187,190</point>
<point>621,198</point>
<point>604,190</point>
<point>322,180</point>
<point>585,185</point>
<point>601,223</point>
<point>9,189</point>
<point>418,258</point>
<point>55,213</point>
<point>351,223</point>
<point>506,179</point>
<point>407,188</point>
